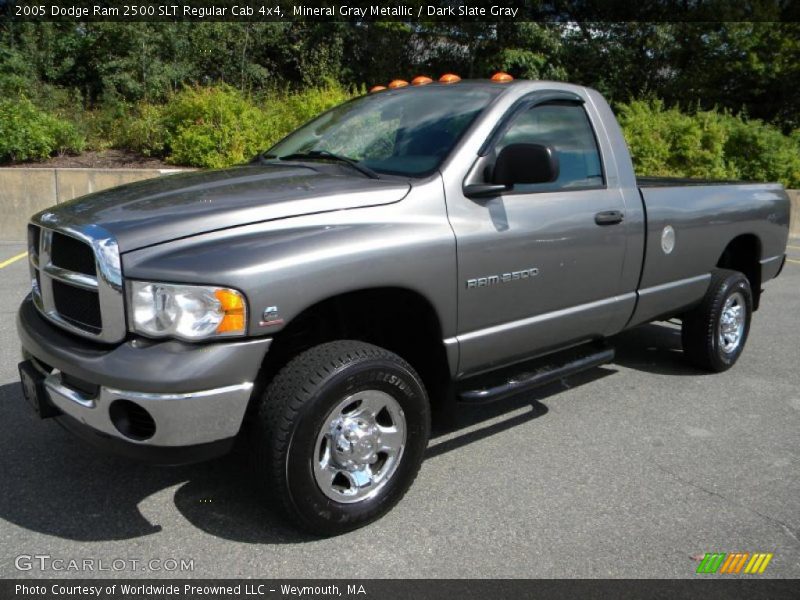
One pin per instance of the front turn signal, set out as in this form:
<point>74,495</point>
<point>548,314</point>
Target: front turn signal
<point>232,304</point>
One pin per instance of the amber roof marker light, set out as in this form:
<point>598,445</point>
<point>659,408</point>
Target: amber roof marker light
<point>376,88</point>
<point>421,80</point>
<point>501,77</point>
<point>449,78</point>
<point>398,83</point>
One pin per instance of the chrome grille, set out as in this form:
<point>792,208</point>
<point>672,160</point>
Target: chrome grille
<point>72,254</point>
<point>76,278</point>
<point>77,306</point>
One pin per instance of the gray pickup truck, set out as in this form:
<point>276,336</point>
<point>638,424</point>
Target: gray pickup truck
<point>406,251</point>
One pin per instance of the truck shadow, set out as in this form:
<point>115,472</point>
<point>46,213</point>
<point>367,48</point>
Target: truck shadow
<point>470,422</point>
<point>55,485</point>
<point>239,513</point>
<point>653,348</point>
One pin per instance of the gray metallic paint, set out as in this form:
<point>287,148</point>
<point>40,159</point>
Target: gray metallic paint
<point>706,219</point>
<point>292,236</point>
<point>186,204</point>
<point>160,367</point>
<point>771,267</point>
<point>295,263</point>
<point>587,273</point>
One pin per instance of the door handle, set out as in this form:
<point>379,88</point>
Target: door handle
<point>609,217</point>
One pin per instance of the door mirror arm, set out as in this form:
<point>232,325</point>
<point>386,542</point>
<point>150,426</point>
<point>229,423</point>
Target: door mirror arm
<point>485,190</point>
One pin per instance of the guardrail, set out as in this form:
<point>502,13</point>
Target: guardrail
<point>794,223</point>
<point>26,191</point>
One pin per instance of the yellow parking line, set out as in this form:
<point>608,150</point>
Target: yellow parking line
<point>793,247</point>
<point>13,259</point>
<point>797,262</point>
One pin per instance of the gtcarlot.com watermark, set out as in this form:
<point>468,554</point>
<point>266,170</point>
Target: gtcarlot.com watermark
<point>46,562</point>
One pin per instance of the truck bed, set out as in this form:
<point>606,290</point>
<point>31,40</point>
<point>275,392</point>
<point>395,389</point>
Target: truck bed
<point>653,182</point>
<point>704,218</point>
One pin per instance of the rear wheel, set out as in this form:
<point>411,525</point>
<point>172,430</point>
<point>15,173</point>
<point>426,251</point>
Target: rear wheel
<point>341,434</point>
<point>715,332</point>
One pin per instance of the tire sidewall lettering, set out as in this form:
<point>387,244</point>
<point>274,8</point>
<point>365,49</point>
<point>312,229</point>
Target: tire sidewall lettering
<point>390,379</point>
<point>726,292</point>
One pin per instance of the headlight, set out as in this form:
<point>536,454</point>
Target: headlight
<point>190,312</point>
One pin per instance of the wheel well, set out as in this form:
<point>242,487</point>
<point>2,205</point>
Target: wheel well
<point>742,254</point>
<point>397,319</point>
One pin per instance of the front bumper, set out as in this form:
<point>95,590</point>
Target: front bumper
<point>195,394</point>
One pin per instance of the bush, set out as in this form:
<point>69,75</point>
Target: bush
<point>27,133</point>
<point>141,129</point>
<point>710,144</point>
<point>212,127</point>
<point>219,126</point>
<point>666,142</point>
<point>761,152</point>
<point>289,111</point>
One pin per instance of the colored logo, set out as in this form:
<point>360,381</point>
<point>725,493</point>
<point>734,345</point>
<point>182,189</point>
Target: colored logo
<point>734,563</point>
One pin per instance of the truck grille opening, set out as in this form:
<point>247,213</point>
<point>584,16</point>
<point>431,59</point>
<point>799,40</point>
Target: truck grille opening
<point>77,306</point>
<point>72,254</point>
<point>131,420</point>
<point>72,286</point>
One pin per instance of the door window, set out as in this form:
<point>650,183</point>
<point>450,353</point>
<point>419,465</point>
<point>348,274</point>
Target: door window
<point>565,127</point>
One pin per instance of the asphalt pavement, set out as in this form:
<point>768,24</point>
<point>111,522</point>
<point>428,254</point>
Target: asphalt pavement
<point>628,470</point>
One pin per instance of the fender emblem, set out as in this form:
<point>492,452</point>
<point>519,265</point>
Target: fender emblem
<point>270,317</point>
<point>489,280</point>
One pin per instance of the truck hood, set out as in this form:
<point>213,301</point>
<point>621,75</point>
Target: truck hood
<point>166,208</point>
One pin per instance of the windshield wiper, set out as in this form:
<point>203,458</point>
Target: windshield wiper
<point>325,155</point>
<point>262,159</point>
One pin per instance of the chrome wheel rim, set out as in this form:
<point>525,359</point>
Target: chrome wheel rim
<point>359,446</point>
<point>731,323</point>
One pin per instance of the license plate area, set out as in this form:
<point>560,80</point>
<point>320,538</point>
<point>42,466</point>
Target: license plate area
<point>34,392</point>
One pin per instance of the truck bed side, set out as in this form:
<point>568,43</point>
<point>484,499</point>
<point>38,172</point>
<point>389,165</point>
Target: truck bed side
<point>707,220</point>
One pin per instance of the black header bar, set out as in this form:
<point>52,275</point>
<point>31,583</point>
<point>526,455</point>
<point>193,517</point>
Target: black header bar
<point>554,11</point>
<point>708,588</point>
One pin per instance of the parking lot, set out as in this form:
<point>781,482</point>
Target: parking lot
<point>628,470</point>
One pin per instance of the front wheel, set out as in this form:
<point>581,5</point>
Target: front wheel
<point>341,435</point>
<point>714,333</point>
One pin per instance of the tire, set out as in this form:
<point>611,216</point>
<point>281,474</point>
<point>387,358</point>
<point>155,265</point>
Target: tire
<point>714,333</point>
<point>325,482</point>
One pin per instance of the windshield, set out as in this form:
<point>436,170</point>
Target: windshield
<point>403,132</point>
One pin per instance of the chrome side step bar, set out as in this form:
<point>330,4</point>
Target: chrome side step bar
<point>544,373</point>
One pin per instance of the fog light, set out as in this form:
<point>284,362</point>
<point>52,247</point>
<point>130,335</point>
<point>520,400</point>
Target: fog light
<point>131,420</point>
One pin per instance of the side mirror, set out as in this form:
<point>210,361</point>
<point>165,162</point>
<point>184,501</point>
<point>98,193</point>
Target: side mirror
<point>525,163</point>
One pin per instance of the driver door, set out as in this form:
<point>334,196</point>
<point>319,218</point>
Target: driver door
<point>536,269</point>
